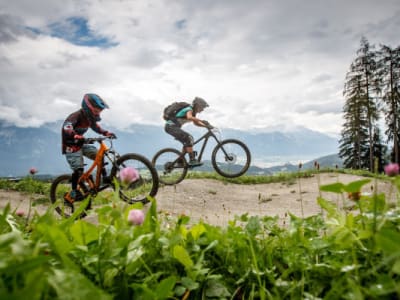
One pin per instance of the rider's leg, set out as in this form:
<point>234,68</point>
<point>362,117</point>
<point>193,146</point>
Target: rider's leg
<point>185,138</point>
<point>74,182</point>
<point>75,160</point>
<point>89,151</point>
<point>188,144</point>
<point>189,150</point>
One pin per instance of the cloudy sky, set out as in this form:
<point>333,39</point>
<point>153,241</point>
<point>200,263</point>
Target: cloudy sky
<point>259,63</point>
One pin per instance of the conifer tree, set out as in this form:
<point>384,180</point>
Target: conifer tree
<point>353,147</point>
<point>361,88</point>
<point>389,71</point>
<point>379,150</point>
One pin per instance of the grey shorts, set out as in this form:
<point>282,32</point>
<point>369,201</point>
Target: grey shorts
<point>75,159</point>
<point>185,138</point>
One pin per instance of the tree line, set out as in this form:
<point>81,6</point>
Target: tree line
<point>372,104</point>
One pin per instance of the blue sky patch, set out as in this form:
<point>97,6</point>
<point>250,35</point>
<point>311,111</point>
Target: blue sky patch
<point>181,24</point>
<point>76,31</point>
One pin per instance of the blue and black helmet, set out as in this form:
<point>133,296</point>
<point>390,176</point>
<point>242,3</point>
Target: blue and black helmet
<point>91,103</point>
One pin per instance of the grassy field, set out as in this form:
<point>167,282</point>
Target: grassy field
<point>345,255</point>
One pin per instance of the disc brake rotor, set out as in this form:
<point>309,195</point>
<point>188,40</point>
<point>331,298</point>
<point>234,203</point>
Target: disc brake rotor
<point>231,158</point>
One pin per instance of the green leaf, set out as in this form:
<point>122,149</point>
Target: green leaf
<point>69,284</point>
<point>165,288</point>
<point>388,241</point>
<point>197,230</point>
<point>396,267</point>
<point>330,208</point>
<point>396,182</point>
<point>83,232</point>
<point>334,187</point>
<point>182,256</point>
<point>189,283</point>
<point>253,225</point>
<point>356,186</point>
<point>339,187</point>
<point>215,289</point>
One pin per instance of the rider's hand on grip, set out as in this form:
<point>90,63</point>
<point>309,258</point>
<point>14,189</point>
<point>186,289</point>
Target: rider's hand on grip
<point>208,125</point>
<point>79,137</point>
<point>110,135</point>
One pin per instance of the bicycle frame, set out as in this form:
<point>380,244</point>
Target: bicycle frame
<point>204,137</point>
<point>97,163</point>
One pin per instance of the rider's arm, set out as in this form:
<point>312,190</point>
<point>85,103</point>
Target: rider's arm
<point>196,121</point>
<point>101,131</point>
<point>97,128</point>
<point>68,129</point>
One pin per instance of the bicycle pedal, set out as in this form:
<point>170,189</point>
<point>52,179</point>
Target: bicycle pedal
<point>77,197</point>
<point>194,163</point>
<point>68,199</point>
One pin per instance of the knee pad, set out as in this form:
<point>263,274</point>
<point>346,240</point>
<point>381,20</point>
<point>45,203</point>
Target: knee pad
<point>188,141</point>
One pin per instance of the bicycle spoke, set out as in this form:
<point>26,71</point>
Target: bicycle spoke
<point>170,169</point>
<point>144,185</point>
<point>231,158</point>
<point>59,191</point>
<point>60,188</point>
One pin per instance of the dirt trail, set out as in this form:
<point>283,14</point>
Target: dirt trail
<point>217,202</point>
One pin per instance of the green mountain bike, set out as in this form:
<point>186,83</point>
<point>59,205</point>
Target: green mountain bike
<point>230,158</point>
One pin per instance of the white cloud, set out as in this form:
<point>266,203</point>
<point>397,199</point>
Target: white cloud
<point>258,63</point>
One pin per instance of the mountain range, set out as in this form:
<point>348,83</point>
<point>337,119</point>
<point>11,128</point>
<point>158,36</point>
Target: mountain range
<point>23,148</point>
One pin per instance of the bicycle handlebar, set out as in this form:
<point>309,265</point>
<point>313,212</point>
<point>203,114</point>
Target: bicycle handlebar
<point>97,139</point>
<point>209,126</point>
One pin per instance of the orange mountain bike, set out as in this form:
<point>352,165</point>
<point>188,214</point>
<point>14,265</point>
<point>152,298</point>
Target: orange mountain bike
<point>93,180</point>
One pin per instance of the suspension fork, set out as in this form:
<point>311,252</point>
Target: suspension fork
<point>220,144</point>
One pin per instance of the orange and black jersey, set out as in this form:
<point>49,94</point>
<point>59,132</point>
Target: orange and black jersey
<point>77,123</point>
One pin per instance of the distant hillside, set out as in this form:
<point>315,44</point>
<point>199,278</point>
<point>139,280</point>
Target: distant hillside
<point>22,148</point>
<point>329,161</point>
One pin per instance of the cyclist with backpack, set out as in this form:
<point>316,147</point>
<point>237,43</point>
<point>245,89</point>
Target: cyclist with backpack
<point>73,129</point>
<point>179,113</point>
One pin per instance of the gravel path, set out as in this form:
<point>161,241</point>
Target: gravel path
<point>216,202</point>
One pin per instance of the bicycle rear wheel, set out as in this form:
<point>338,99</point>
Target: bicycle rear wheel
<point>146,184</point>
<point>231,158</point>
<point>170,170</point>
<point>60,187</point>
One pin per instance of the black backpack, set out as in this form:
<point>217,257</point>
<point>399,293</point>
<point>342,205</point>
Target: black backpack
<point>171,110</point>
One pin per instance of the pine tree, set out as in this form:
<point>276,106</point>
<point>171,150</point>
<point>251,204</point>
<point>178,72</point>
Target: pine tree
<point>363,81</point>
<point>353,147</point>
<point>389,71</point>
<point>379,150</point>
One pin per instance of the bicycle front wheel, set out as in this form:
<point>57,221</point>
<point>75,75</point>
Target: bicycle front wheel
<point>171,170</point>
<point>144,184</point>
<point>59,189</point>
<point>231,158</point>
